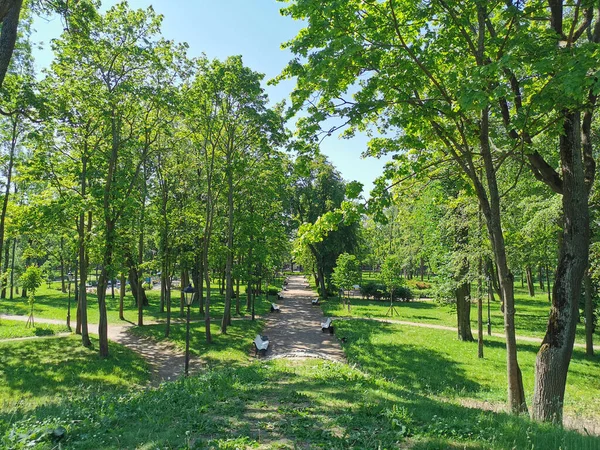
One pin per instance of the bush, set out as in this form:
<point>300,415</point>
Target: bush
<point>422,285</point>
<point>403,292</point>
<point>273,291</point>
<point>368,289</point>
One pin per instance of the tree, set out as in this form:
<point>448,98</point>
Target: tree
<point>31,280</point>
<point>476,111</point>
<point>346,273</point>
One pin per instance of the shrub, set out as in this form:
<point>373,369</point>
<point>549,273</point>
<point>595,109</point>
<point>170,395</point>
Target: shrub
<point>273,291</point>
<point>368,289</point>
<point>403,292</point>
<point>422,285</point>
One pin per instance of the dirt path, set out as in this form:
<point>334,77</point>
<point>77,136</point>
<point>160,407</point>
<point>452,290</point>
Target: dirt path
<point>165,360</point>
<point>296,330</point>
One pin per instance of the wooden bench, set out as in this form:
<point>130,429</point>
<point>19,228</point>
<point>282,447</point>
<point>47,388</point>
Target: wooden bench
<point>327,326</point>
<point>261,344</point>
<point>275,308</point>
<point>315,302</point>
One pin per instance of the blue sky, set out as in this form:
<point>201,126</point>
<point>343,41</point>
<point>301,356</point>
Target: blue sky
<point>252,28</point>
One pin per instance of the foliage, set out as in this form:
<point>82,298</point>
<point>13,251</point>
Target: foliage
<point>346,272</point>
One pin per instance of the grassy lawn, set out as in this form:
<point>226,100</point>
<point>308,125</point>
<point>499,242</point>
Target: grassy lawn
<point>10,329</point>
<point>530,318</point>
<point>226,349</point>
<point>284,404</point>
<point>46,371</point>
<point>435,363</point>
<point>51,303</point>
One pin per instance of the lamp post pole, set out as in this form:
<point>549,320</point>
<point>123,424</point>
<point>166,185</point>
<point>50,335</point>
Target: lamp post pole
<point>189,297</point>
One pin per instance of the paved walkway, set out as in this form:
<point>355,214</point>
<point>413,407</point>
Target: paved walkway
<point>296,330</point>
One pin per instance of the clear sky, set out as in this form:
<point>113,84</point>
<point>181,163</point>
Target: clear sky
<point>252,28</point>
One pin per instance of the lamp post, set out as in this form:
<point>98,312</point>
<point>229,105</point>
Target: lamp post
<point>70,278</point>
<point>188,293</point>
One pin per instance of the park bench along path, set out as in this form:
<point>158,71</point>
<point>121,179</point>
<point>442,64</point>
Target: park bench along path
<point>296,330</point>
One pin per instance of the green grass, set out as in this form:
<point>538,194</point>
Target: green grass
<point>51,303</point>
<point>10,329</point>
<point>46,371</point>
<point>530,318</point>
<point>435,363</point>
<point>231,348</point>
<point>282,405</point>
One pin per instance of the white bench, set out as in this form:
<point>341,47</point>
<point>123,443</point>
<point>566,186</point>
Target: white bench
<point>315,301</point>
<point>327,326</point>
<point>275,308</point>
<point>260,345</point>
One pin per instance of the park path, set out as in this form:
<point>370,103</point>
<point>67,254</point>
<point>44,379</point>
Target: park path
<point>165,360</point>
<point>296,330</point>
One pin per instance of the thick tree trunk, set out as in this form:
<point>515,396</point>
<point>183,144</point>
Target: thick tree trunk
<point>530,285</point>
<point>554,356</point>
<point>463,312</point>
<point>11,10</point>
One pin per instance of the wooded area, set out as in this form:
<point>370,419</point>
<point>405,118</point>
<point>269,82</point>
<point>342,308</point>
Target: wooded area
<point>131,170</point>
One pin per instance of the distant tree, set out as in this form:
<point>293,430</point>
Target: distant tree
<point>346,273</point>
<point>31,280</point>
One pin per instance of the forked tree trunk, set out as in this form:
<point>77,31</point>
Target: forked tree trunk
<point>554,356</point>
<point>530,285</point>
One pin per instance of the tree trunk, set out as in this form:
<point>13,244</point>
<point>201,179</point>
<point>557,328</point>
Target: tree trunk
<point>137,289</point>
<point>229,255</point>
<point>463,312</point>
<point>548,290</point>
<point>83,267</point>
<point>555,352</point>
<point>8,35</point>
<point>530,285</point>
<point>589,315</point>
<point>122,296</point>
<point>237,297</point>
<point>491,209</point>
<point>5,271</point>
<point>168,301</point>
<point>12,267</point>
<point>541,277</point>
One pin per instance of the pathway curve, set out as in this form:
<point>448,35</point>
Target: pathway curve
<point>166,361</point>
<point>296,330</point>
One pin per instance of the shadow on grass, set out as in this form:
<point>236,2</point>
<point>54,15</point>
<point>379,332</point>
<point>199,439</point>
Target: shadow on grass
<point>310,404</point>
<point>412,366</point>
<point>51,367</point>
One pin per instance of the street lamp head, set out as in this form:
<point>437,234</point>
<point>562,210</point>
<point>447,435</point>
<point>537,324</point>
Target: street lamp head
<point>188,292</point>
